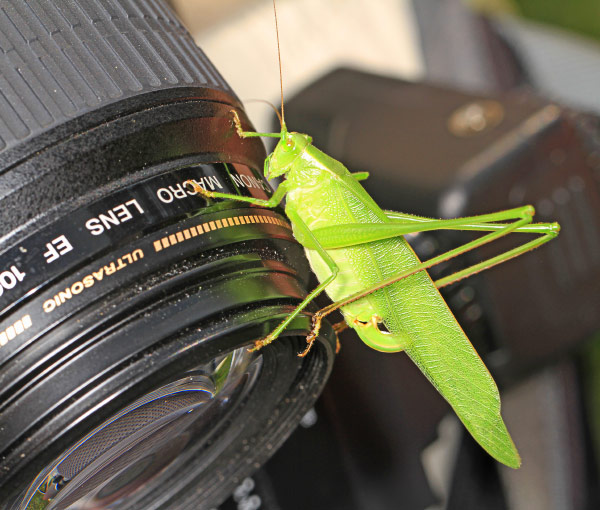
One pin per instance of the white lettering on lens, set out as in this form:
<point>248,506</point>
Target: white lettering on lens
<point>56,248</point>
<point>249,181</point>
<point>179,191</point>
<point>9,279</point>
<point>91,279</point>
<point>113,217</point>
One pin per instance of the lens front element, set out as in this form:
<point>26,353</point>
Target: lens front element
<point>122,460</point>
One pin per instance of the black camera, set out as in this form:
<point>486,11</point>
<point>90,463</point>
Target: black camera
<point>127,302</point>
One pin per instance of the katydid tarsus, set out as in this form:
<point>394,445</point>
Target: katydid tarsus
<point>384,292</point>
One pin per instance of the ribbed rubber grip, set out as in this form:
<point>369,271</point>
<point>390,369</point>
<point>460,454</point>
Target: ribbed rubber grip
<point>60,59</point>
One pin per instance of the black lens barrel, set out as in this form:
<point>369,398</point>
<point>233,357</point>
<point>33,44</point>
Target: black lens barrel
<point>115,278</point>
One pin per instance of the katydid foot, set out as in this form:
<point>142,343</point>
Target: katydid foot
<point>198,189</point>
<point>338,327</point>
<point>259,344</point>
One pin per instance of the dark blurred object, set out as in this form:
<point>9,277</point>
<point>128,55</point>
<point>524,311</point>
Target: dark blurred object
<point>439,152</point>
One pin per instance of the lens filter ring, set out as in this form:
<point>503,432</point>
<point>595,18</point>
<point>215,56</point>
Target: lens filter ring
<point>243,417</point>
<point>176,287</point>
<point>204,295</point>
<point>127,451</point>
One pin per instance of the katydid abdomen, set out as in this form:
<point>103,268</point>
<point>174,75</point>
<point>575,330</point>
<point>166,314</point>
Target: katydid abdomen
<point>324,194</point>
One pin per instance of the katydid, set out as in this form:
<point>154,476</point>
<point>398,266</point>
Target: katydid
<point>384,292</point>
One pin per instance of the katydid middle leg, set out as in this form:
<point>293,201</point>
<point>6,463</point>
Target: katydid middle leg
<point>300,226</point>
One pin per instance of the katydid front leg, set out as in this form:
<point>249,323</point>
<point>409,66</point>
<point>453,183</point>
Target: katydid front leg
<point>252,134</point>
<point>300,226</point>
<point>272,202</point>
<point>277,196</point>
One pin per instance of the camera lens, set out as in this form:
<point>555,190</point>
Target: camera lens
<point>127,301</point>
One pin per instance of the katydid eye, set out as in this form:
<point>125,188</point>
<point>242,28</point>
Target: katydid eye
<point>289,144</point>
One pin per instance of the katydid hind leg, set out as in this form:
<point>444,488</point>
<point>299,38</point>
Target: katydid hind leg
<point>494,261</point>
<point>370,232</point>
<point>420,267</point>
<point>338,328</point>
<point>485,222</point>
<point>481,222</point>
<point>339,236</point>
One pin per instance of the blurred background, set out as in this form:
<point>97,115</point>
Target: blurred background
<point>456,108</point>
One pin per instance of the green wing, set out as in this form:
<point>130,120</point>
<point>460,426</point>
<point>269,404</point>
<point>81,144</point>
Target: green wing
<point>420,323</point>
<point>435,342</point>
<point>460,376</point>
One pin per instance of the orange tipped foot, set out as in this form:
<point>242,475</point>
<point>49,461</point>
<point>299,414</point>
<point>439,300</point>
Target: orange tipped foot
<point>310,340</point>
<point>338,328</point>
<point>314,333</point>
<point>198,189</point>
<point>259,344</point>
<point>238,124</point>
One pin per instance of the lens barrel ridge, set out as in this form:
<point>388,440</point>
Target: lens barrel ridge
<point>67,59</point>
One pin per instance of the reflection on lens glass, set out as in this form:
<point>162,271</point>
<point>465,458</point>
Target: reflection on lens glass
<point>127,457</point>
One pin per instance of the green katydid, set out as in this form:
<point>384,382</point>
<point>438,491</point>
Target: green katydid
<point>361,259</point>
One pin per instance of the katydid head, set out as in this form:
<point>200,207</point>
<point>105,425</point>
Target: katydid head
<point>288,149</point>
